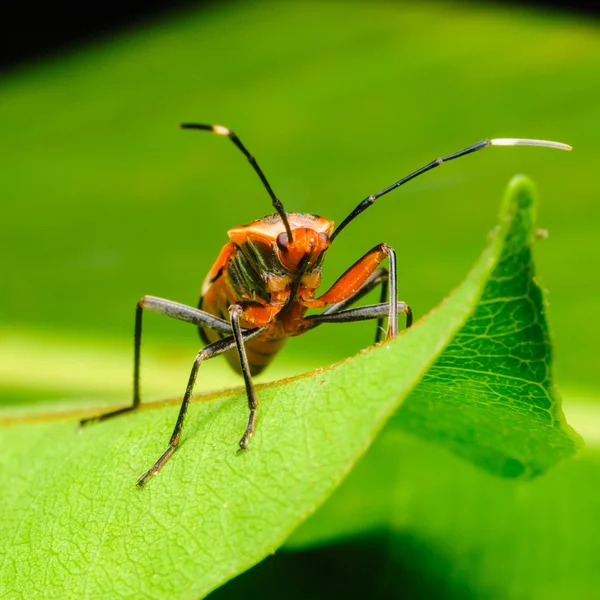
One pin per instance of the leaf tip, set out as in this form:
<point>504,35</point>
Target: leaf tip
<point>521,194</point>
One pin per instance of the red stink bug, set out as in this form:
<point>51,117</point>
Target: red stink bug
<point>263,282</point>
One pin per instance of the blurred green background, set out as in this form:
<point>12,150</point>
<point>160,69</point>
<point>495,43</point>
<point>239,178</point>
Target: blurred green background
<point>105,200</point>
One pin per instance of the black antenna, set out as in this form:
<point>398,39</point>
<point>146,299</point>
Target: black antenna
<point>220,130</point>
<point>436,163</point>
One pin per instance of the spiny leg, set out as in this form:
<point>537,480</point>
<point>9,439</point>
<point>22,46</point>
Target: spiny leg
<point>171,309</point>
<point>392,328</point>
<point>210,351</point>
<point>349,285</point>
<point>362,313</point>
<point>176,435</point>
<point>378,277</point>
<point>236,311</point>
<point>137,342</point>
<point>382,297</point>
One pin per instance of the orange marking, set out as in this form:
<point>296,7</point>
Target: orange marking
<point>219,266</point>
<point>269,227</point>
<point>352,280</point>
<point>257,315</point>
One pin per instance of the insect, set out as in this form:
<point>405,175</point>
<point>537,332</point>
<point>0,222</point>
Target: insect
<point>265,279</point>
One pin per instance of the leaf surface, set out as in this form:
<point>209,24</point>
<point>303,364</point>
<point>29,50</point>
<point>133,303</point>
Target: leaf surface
<point>435,526</point>
<point>74,520</point>
<point>490,396</point>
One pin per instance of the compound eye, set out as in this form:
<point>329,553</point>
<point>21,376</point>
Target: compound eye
<point>282,241</point>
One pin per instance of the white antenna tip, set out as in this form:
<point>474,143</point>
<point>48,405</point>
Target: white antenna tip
<point>220,130</point>
<point>524,142</point>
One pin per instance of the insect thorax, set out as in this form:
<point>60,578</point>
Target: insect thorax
<point>258,267</point>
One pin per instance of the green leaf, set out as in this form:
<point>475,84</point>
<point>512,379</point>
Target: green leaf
<point>491,395</point>
<point>74,523</point>
<point>444,529</point>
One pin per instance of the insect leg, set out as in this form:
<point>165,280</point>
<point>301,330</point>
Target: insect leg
<point>352,281</point>
<point>171,309</point>
<point>236,310</point>
<point>362,313</point>
<point>382,297</point>
<point>378,277</point>
<point>210,351</point>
